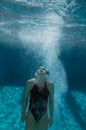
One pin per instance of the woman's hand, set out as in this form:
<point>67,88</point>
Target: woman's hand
<point>50,122</point>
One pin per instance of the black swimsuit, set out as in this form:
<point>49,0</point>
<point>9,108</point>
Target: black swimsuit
<point>38,101</point>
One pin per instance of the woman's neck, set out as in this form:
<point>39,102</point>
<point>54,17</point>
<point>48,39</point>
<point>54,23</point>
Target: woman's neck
<point>40,82</point>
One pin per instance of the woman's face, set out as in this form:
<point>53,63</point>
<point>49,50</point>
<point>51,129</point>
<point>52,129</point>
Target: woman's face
<point>41,72</point>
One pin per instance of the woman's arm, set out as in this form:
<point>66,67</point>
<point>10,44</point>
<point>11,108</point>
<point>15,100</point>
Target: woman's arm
<point>51,102</point>
<point>25,101</point>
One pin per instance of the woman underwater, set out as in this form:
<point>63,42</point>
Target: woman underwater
<point>40,91</point>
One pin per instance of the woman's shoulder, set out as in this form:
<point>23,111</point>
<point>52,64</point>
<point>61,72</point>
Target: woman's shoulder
<point>30,83</point>
<point>50,85</point>
<point>31,80</point>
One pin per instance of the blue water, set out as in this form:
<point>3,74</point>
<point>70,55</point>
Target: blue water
<point>49,33</point>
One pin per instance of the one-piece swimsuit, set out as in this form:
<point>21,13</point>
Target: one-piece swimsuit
<point>38,101</point>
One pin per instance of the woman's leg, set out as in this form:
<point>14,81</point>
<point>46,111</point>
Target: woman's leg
<point>30,122</point>
<point>42,124</point>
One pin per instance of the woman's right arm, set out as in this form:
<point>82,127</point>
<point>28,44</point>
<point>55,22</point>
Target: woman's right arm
<point>25,101</point>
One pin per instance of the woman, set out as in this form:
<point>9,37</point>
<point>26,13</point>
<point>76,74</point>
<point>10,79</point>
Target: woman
<point>40,91</point>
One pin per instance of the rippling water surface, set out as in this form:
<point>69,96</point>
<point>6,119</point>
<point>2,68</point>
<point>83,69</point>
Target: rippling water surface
<point>49,33</point>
